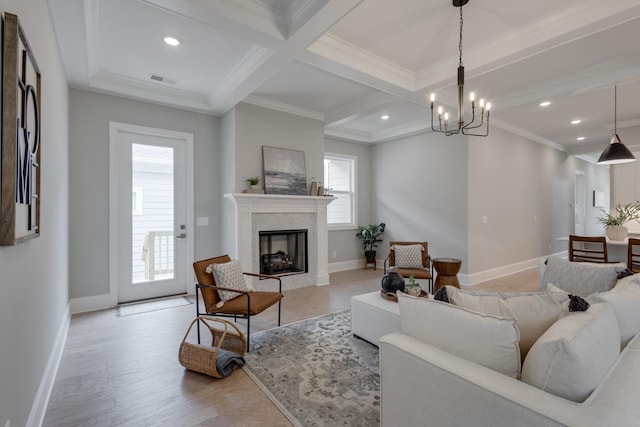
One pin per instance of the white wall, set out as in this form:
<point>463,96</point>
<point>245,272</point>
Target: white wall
<point>626,176</point>
<point>89,172</point>
<point>344,243</point>
<point>420,191</point>
<point>34,275</point>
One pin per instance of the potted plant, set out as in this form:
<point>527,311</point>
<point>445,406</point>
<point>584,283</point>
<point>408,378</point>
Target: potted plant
<point>614,223</point>
<point>253,182</point>
<point>413,287</point>
<point>370,236</point>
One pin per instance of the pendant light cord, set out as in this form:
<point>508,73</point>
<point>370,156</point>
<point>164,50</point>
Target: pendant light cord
<point>460,43</point>
<point>615,109</point>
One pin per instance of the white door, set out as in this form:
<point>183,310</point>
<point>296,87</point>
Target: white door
<point>152,203</point>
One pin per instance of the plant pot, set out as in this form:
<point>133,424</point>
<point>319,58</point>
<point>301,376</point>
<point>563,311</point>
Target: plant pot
<point>255,186</point>
<point>370,256</point>
<point>616,232</point>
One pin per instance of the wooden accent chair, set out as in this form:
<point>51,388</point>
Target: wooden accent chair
<point>426,272</point>
<point>633,255</point>
<point>587,248</point>
<point>243,306</point>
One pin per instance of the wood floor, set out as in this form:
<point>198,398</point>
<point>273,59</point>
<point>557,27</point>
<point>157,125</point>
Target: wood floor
<point>124,371</point>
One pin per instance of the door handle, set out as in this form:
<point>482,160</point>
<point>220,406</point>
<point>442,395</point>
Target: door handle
<point>181,236</point>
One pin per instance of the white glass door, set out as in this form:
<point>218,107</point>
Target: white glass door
<point>153,236</point>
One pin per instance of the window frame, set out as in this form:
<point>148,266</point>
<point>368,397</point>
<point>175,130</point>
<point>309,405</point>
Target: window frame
<point>354,191</point>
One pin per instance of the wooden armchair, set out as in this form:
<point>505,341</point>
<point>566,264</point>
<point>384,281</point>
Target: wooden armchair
<point>425,272</point>
<point>243,306</point>
<point>589,249</point>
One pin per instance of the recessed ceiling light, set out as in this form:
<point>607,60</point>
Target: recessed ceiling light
<point>580,138</point>
<point>385,117</point>
<point>545,104</point>
<point>171,41</point>
<point>576,121</point>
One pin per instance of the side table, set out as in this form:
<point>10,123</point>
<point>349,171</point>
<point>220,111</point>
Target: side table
<point>447,269</point>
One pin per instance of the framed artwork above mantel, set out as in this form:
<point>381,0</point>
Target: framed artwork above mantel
<point>20,153</point>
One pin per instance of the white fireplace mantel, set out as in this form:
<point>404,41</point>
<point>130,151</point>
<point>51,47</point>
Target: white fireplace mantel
<point>246,205</point>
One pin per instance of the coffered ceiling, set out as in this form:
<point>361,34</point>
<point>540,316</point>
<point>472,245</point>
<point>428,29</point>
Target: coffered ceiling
<point>347,62</point>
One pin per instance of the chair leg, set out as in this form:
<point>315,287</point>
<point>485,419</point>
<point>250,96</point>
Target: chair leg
<point>248,333</point>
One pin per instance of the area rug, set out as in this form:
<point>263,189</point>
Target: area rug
<point>317,373</point>
<point>147,306</point>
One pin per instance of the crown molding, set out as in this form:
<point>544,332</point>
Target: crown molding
<point>526,134</point>
<point>350,55</point>
<point>285,108</point>
<point>349,135</point>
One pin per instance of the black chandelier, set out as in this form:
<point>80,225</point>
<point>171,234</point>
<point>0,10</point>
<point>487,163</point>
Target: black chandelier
<point>616,152</point>
<point>481,123</point>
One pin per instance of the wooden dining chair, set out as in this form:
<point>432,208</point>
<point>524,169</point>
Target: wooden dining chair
<point>633,255</point>
<point>588,248</point>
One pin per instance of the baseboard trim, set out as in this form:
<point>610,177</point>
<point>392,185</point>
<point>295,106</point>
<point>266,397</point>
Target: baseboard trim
<point>354,264</point>
<point>83,304</point>
<point>39,407</point>
<point>495,273</point>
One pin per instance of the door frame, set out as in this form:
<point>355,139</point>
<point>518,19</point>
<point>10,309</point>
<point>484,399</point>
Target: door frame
<point>114,204</point>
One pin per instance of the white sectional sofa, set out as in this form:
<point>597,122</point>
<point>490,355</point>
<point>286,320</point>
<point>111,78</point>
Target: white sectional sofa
<point>425,384</point>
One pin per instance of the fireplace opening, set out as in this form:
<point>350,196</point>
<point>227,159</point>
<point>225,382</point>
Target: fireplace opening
<point>283,252</point>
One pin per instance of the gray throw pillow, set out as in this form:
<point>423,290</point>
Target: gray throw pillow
<point>580,278</point>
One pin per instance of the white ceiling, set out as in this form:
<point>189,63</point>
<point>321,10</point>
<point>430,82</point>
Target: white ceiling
<point>347,62</point>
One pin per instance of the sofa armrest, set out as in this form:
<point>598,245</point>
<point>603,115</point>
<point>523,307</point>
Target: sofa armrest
<point>424,385</point>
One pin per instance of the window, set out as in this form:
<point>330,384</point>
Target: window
<point>339,178</point>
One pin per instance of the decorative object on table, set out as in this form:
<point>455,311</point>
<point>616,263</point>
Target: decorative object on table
<point>317,373</point>
<point>477,122</point>
<point>616,152</point>
<point>313,190</point>
<point>392,282</point>
<point>370,236</point>
<point>413,287</point>
<point>614,223</point>
<point>20,172</point>
<point>284,171</point>
<point>226,353</point>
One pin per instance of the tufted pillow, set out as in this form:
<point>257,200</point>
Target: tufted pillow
<point>229,275</point>
<point>573,356</point>
<point>534,312</point>
<point>488,340</point>
<point>625,300</point>
<point>408,256</point>
<point>580,278</point>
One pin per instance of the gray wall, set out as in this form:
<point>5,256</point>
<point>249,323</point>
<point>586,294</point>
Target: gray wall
<point>34,275</point>
<point>246,129</point>
<point>420,191</point>
<point>344,243</point>
<point>89,173</point>
<point>511,183</point>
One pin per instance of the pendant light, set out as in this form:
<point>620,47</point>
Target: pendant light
<point>616,152</point>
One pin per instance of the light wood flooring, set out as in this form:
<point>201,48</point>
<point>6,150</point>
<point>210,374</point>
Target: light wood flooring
<point>124,371</point>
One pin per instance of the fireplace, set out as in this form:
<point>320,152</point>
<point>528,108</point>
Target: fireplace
<point>283,252</point>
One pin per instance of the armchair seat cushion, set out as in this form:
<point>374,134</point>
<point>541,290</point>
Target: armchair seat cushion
<point>418,273</point>
<point>260,301</point>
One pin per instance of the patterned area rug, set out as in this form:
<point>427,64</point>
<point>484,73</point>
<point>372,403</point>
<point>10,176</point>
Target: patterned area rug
<point>317,373</point>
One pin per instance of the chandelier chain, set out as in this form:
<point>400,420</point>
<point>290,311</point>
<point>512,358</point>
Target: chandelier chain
<point>460,43</point>
<point>615,109</point>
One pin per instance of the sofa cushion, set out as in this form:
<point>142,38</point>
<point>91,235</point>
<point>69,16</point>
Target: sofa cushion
<point>534,312</point>
<point>573,356</point>
<point>408,256</point>
<point>488,340</point>
<point>625,300</point>
<point>580,278</point>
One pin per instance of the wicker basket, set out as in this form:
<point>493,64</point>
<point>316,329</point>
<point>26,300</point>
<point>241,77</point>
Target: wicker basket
<point>202,358</point>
